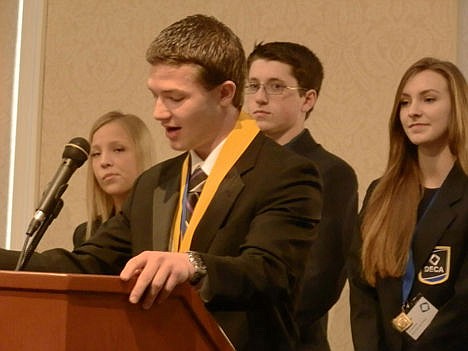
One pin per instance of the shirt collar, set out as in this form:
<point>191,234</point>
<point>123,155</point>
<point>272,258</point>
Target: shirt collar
<point>208,163</point>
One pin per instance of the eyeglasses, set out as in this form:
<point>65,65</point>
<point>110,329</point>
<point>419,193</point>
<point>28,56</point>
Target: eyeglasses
<point>271,88</point>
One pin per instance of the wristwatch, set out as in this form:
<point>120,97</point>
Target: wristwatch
<point>200,268</point>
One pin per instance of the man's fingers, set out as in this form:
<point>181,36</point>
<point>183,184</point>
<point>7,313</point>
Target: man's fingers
<point>158,274</point>
<point>152,293</point>
<point>141,284</point>
<point>171,283</point>
<point>146,274</point>
<point>133,267</point>
<point>156,286</point>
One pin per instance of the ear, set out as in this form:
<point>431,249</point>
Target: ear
<point>227,91</point>
<point>309,101</point>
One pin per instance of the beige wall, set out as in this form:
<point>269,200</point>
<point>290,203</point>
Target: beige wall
<point>8,10</point>
<point>94,62</point>
<point>462,41</point>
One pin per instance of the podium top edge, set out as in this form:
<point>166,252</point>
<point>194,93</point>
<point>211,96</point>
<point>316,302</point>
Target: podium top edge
<point>62,282</point>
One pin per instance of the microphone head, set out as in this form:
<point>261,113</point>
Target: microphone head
<point>77,150</point>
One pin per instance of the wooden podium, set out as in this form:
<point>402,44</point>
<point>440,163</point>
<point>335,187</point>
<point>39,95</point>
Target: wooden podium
<point>55,312</point>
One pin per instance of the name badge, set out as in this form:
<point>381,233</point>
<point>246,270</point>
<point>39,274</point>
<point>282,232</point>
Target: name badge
<point>421,314</point>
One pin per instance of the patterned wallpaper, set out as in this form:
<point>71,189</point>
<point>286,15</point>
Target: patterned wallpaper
<point>94,62</point>
<point>462,41</point>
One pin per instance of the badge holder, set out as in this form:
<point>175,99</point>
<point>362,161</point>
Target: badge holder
<point>415,317</point>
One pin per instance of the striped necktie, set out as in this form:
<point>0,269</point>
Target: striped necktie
<point>196,182</point>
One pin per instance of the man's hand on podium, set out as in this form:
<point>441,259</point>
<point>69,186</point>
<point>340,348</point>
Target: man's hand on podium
<point>158,273</point>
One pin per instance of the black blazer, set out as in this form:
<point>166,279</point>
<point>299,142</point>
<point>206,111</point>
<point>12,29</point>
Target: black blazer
<point>79,234</point>
<point>444,225</point>
<point>325,273</point>
<point>253,237</point>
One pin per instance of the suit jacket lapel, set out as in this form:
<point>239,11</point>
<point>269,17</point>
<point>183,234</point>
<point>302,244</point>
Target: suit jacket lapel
<point>438,217</point>
<point>165,198</point>
<point>224,198</point>
<point>217,211</point>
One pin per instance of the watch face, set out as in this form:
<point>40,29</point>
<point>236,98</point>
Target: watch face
<point>200,268</point>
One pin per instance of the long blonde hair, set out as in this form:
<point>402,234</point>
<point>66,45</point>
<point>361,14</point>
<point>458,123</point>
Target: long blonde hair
<point>389,215</point>
<point>99,204</point>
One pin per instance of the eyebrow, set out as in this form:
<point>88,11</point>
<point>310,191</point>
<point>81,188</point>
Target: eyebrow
<point>112,143</point>
<point>423,92</point>
<point>168,91</point>
<point>268,80</point>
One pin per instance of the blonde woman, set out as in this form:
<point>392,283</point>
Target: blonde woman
<point>413,291</point>
<point>121,148</point>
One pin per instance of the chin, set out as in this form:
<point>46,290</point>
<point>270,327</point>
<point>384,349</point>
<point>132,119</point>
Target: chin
<point>178,147</point>
<point>265,127</point>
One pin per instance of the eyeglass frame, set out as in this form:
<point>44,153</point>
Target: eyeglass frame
<point>266,86</point>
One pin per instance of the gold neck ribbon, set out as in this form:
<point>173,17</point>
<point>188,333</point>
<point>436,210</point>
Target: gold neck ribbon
<point>236,143</point>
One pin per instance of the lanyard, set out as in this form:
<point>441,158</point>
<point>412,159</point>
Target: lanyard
<point>408,277</point>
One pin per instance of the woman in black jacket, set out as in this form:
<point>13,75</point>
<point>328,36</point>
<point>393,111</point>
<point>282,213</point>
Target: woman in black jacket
<point>121,148</point>
<point>409,270</point>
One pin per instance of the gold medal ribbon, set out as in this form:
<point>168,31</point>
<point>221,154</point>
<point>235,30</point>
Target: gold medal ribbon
<point>236,143</point>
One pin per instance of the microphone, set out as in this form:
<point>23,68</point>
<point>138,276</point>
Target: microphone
<point>75,154</point>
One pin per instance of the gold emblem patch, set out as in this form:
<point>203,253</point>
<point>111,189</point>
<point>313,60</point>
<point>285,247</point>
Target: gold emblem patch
<point>436,270</point>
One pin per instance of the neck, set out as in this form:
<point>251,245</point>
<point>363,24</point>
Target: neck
<point>118,203</point>
<point>229,122</point>
<point>435,166</point>
<point>285,137</point>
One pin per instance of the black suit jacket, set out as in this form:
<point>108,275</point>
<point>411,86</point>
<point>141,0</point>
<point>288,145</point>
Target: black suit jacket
<point>79,235</point>
<point>445,224</point>
<point>253,237</point>
<point>325,273</point>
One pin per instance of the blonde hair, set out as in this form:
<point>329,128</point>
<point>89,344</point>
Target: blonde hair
<point>99,204</point>
<point>390,214</point>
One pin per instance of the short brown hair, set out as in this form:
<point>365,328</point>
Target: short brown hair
<point>209,44</point>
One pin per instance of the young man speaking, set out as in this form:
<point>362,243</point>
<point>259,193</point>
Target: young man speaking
<point>242,244</point>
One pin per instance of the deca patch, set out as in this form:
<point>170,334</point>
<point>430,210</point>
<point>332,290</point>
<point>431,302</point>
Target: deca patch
<point>436,270</point>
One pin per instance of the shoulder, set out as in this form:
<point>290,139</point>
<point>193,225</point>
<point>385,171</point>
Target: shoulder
<point>269,154</point>
<point>81,228</point>
<point>457,178</point>
<point>337,175</point>
<point>373,184</point>
<point>330,163</point>
<point>370,189</point>
<point>166,169</point>
<point>275,173</point>
<point>79,235</point>
<point>166,164</point>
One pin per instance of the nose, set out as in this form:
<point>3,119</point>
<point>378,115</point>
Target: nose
<point>414,109</point>
<point>261,96</point>
<point>160,110</point>
<point>106,159</point>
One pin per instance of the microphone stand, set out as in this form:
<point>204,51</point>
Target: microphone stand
<point>27,251</point>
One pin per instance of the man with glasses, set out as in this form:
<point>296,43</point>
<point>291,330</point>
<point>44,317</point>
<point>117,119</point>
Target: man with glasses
<point>284,81</point>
